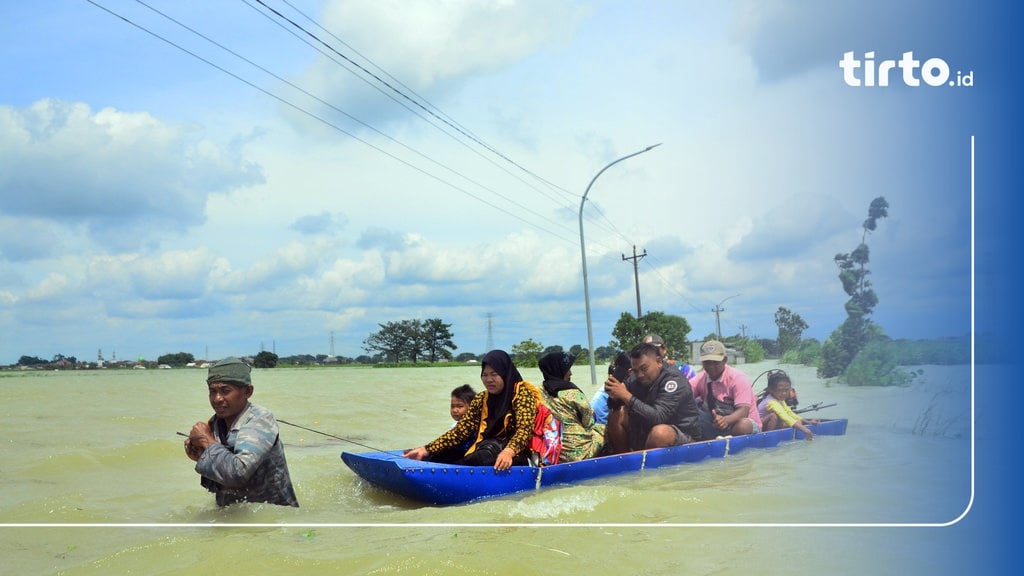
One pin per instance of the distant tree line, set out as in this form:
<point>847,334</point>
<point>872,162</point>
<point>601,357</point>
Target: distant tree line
<point>630,331</point>
<point>529,352</point>
<point>857,352</point>
<point>59,361</point>
<point>177,359</point>
<point>412,340</point>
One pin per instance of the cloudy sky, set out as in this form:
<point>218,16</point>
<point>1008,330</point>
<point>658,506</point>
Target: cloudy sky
<point>229,176</point>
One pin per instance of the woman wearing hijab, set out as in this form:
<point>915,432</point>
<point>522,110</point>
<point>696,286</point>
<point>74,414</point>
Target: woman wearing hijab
<point>582,437</point>
<point>499,421</point>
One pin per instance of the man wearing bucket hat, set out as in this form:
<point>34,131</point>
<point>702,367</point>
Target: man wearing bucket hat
<point>724,394</point>
<point>238,452</point>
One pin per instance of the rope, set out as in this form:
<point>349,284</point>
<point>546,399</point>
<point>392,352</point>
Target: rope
<point>331,436</point>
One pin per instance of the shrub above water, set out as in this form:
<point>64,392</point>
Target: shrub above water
<point>877,365</point>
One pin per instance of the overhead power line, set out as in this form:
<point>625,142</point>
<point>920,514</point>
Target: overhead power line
<point>391,88</point>
<point>550,230</point>
<point>556,228</point>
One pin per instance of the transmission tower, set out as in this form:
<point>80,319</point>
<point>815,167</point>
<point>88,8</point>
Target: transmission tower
<point>490,332</point>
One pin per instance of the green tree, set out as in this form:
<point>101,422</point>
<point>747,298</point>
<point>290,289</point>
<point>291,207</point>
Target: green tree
<point>752,350</point>
<point>178,359</point>
<point>395,341</point>
<point>770,347</point>
<point>437,338</point>
<point>808,353</point>
<point>265,359</point>
<point>416,341</point>
<point>629,331</point>
<point>552,350</point>
<point>603,353</point>
<point>30,361</point>
<point>526,353</point>
<point>791,329</point>
<point>412,340</point>
<point>853,334</point>
<point>674,330</point>
<point>877,364</point>
<point>298,360</point>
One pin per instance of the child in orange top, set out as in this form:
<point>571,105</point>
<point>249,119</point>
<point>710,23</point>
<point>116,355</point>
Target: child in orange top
<point>775,412</point>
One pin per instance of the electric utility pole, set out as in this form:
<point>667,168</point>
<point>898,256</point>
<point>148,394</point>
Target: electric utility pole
<point>718,310</point>
<point>636,275</point>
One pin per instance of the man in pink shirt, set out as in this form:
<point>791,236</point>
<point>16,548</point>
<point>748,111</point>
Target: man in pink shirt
<point>730,409</point>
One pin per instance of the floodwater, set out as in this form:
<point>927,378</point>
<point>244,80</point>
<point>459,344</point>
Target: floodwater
<point>95,481</point>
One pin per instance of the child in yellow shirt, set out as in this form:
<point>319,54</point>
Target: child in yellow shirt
<point>775,412</point>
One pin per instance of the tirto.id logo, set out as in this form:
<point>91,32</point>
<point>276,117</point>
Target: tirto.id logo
<point>933,71</point>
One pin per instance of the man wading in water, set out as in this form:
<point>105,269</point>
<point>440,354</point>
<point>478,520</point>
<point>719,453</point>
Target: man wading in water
<point>238,452</point>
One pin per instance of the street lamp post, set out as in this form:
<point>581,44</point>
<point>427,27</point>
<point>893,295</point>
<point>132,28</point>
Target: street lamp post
<point>717,310</point>
<point>583,252</point>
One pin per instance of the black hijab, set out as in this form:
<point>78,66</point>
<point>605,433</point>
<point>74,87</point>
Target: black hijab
<point>620,367</point>
<point>554,367</point>
<point>499,405</point>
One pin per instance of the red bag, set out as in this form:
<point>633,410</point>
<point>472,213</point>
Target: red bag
<point>547,436</point>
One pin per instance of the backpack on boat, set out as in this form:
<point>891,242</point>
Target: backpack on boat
<point>546,442</point>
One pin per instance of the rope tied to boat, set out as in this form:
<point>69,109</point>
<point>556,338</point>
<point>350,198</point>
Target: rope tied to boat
<point>331,436</point>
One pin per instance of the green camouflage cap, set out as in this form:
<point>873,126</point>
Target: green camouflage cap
<point>231,370</point>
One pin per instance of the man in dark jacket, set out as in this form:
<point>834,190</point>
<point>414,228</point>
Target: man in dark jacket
<point>658,408</point>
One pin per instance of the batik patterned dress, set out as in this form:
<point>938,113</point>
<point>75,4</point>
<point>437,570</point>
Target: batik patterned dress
<point>582,437</point>
<point>517,431</point>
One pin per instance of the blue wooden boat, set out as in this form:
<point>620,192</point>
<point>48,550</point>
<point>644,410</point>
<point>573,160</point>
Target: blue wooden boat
<point>445,484</point>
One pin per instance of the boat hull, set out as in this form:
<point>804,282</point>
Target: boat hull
<point>447,484</point>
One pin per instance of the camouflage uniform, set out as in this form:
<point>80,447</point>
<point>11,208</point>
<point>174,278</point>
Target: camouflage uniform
<point>248,463</point>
